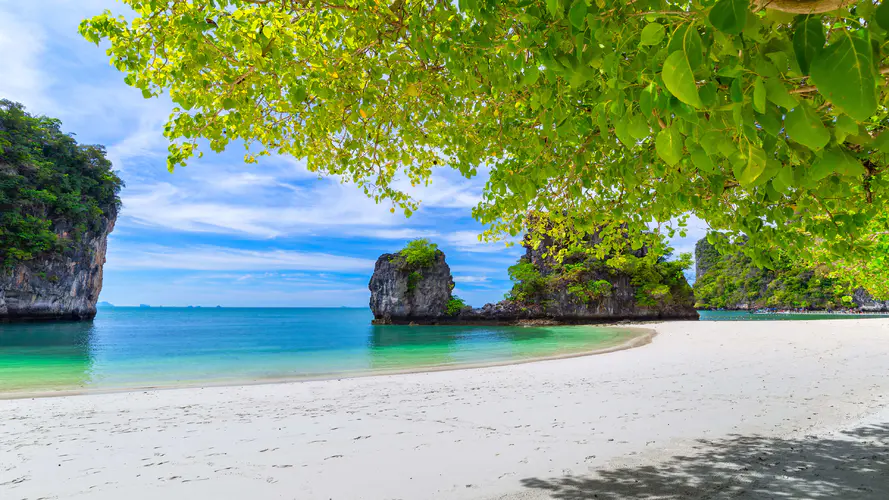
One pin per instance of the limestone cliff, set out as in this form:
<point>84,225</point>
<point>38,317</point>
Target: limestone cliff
<point>732,282</point>
<point>575,291</point>
<point>58,203</point>
<point>403,293</point>
<point>58,286</point>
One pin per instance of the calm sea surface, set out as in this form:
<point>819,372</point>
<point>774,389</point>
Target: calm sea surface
<point>132,347</point>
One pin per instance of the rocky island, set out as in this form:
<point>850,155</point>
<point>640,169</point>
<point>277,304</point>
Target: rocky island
<point>58,203</point>
<point>730,281</point>
<point>415,286</point>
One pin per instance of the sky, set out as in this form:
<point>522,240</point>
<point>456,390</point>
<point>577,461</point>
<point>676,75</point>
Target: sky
<point>220,232</point>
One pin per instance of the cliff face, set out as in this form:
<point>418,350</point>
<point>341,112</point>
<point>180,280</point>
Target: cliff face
<point>732,282</point>
<point>402,294</point>
<point>58,286</point>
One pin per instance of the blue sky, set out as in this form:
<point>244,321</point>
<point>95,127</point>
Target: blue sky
<point>220,232</point>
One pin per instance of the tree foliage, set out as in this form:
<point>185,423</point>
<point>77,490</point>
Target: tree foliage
<point>51,188</point>
<point>763,118</point>
<point>419,253</point>
<point>732,281</point>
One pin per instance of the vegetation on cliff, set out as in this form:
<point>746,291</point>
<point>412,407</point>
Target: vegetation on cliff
<point>52,190</point>
<point>586,279</point>
<point>417,255</point>
<point>732,281</point>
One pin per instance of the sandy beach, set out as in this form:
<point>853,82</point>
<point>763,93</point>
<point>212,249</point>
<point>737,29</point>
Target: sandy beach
<point>706,410</point>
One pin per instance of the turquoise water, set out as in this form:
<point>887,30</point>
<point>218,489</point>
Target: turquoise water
<point>746,316</point>
<point>133,347</point>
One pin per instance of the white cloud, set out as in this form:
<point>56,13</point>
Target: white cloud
<point>471,279</point>
<point>468,241</point>
<point>329,205</point>
<point>22,45</point>
<point>215,258</point>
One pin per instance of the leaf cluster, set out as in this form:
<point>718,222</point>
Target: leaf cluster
<point>764,124</point>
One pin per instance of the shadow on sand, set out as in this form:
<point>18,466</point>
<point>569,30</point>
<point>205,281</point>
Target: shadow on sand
<point>850,465</point>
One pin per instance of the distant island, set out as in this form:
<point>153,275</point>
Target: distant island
<point>415,286</point>
<point>104,304</point>
<point>732,282</point>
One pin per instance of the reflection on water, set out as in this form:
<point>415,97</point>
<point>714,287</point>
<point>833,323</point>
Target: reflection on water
<point>58,354</point>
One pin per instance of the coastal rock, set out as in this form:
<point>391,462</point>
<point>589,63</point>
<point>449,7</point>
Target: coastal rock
<point>731,282</point>
<point>394,301</point>
<point>58,286</point>
<point>401,294</point>
<point>558,305</point>
<point>867,303</point>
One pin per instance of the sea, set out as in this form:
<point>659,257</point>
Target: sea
<point>133,348</point>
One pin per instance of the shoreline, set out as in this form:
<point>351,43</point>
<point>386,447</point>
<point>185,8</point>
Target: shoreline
<point>706,410</point>
<point>642,337</point>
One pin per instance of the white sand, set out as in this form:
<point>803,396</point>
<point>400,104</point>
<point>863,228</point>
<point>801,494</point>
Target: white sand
<point>787,409</point>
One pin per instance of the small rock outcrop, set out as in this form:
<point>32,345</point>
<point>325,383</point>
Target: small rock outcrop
<point>62,286</point>
<point>403,293</point>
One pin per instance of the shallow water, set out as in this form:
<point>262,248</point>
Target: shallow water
<point>747,316</point>
<point>142,347</point>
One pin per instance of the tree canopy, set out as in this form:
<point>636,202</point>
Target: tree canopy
<point>764,118</point>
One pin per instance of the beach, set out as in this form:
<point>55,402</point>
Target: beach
<point>706,410</point>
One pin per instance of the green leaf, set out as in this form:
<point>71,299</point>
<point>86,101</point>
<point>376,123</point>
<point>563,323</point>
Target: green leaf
<point>735,91</point>
<point>622,131</point>
<point>881,16</point>
<point>639,127</point>
<point>804,126</point>
<point>754,167</point>
<point>759,96</point>
<point>687,39</point>
<point>834,161</point>
<point>702,161</point>
<point>531,75</point>
<point>680,80</point>
<point>646,100</point>
<point>729,16</point>
<point>652,34</point>
<point>881,142</point>
<point>844,127</point>
<point>784,179</point>
<point>669,145</point>
<point>779,95</point>
<point>577,14</point>
<point>555,8</point>
<point>844,74</point>
<point>808,41</point>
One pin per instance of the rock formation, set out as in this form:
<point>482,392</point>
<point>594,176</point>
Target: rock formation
<point>732,282</point>
<point>58,286</point>
<point>58,203</point>
<point>557,297</point>
<point>401,293</point>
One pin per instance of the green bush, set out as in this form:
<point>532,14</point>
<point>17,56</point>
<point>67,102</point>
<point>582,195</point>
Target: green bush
<point>47,179</point>
<point>419,253</point>
<point>528,283</point>
<point>455,305</point>
<point>412,279</point>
